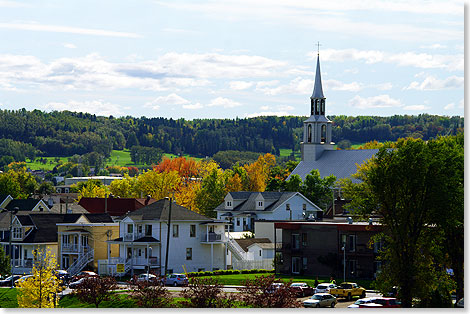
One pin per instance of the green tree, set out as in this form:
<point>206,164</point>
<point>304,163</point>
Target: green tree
<point>4,263</point>
<point>408,187</point>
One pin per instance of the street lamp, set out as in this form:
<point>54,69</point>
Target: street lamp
<point>149,254</point>
<point>13,211</point>
<point>343,238</point>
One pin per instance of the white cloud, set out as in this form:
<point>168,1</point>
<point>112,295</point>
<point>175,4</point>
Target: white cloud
<point>264,108</point>
<point>416,107</point>
<point>381,101</point>
<point>337,85</point>
<point>432,83</point>
<point>171,99</point>
<point>98,107</point>
<point>66,29</point>
<point>193,106</point>
<point>449,106</point>
<point>418,60</point>
<point>223,102</point>
<point>70,46</point>
<point>298,85</point>
<point>240,85</point>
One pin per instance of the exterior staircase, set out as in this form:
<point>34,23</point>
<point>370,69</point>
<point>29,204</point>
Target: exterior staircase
<point>236,249</point>
<point>81,262</point>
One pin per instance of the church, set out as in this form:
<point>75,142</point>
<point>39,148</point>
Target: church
<point>317,148</point>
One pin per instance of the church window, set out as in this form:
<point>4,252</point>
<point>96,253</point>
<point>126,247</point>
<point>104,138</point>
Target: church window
<point>323,133</point>
<point>309,133</point>
<point>311,106</point>
<point>316,106</point>
<point>322,107</point>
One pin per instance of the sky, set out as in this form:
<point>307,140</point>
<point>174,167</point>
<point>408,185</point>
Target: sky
<point>234,58</point>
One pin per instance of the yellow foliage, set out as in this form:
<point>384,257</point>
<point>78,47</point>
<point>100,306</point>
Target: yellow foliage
<point>127,187</point>
<point>186,195</point>
<point>233,184</point>
<point>258,172</point>
<point>92,190</point>
<point>40,290</point>
<point>158,185</point>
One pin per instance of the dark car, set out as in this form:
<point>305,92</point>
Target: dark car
<point>176,280</point>
<point>301,289</point>
<point>7,281</point>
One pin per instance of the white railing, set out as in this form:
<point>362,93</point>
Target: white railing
<point>236,249</point>
<point>80,262</point>
<point>253,264</point>
<point>142,261</point>
<point>212,237</point>
<point>133,236</point>
<point>28,263</point>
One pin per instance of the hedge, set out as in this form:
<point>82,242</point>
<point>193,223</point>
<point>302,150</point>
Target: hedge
<point>228,272</point>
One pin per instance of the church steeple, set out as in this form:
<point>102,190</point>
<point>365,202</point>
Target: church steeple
<point>317,100</point>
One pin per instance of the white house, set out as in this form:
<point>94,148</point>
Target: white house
<point>241,209</point>
<point>196,242</point>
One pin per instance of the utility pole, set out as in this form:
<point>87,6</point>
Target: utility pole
<point>14,210</point>
<point>168,237</point>
<point>344,257</point>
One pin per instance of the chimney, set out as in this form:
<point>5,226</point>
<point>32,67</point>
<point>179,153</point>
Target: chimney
<point>147,200</point>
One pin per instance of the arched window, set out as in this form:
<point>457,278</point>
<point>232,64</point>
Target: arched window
<point>323,133</point>
<point>311,106</point>
<point>309,133</point>
<point>322,107</point>
<point>317,105</point>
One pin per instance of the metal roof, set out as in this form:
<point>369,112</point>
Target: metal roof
<point>340,163</point>
<point>317,89</point>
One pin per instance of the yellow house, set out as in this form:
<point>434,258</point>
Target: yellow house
<point>82,242</point>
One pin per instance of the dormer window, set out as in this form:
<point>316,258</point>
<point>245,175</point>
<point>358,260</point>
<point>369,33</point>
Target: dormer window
<point>17,233</point>
<point>260,204</point>
<point>229,204</point>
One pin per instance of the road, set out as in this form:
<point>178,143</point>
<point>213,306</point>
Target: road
<point>343,303</point>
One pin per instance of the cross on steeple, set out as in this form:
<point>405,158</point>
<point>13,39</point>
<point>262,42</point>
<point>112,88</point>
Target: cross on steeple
<point>318,47</point>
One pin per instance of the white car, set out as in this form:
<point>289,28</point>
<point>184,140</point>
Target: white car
<point>324,287</point>
<point>144,277</point>
<point>320,300</point>
<point>362,301</point>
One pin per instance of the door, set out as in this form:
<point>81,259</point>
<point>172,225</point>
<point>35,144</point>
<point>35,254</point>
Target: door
<point>295,265</point>
<point>65,262</point>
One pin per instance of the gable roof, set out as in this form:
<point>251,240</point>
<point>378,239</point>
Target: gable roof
<point>249,200</point>
<point>115,206</point>
<point>25,204</point>
<point>45,225</point>
<point>340,163</point>
<point>245,243</point>
<point>159,211</point>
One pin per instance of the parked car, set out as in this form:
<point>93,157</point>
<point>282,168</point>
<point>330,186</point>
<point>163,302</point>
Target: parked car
<point>145,277</point>
<point>324,287</point>
<point>176,280</point>
<point>22,279</point>
<point>301,289</point>
<point>7,281</point>
<point>274,287</point>
<point>348,290</point>
<point>320,300</point>
<point>75,284</point>
<point>64,276</point>
<point>84,273</point>
<point>362,301</point>
<point>381,302</point>
<point>459,303</point>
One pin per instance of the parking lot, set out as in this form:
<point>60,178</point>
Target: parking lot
<point>343,303</point>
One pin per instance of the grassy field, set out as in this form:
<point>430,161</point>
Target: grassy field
<point>8,298</point>
<point>286,152</point>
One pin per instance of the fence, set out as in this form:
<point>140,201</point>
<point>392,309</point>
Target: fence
<point>253,264</point>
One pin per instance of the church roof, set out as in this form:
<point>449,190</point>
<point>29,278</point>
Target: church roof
<point>317,118</point>
<point>340,163</point>
<point>317,89</point>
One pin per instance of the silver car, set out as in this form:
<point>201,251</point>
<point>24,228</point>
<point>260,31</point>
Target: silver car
<point>324,287</point>
<point>320,300</point>
<point>176,280</point>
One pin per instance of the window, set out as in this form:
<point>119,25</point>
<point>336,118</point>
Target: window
<point>378,246</point>
<point>309,133</point>
<point>189,253</point>
<point>296,265</point>
<point>238,221</point>
<point>84,240</point>
<point>304,263</point>
<point>17,234</point>
<point>130,228</point>
<point>304,207</point>
<point>304,239</point>
<point>175,231</point>
<point>296,241</point>
<point>65,239</point>
<point>352,243</point>
<point>260,204</point>
<point>287,206</point>
<point>259,252</point>
<point>192,231</point>
<point>139,228</point>
<point>148,230</point>
<point>323,133</point>
<point>229,204</point>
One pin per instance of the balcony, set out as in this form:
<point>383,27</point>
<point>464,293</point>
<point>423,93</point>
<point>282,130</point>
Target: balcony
<point>128,237</point>
<point>213,238</point>
<point>74,248</point>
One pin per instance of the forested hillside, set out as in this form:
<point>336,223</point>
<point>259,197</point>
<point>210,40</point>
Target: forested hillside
<point>29,133</point>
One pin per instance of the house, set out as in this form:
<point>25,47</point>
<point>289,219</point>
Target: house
<point>114,206</point>
<point>315,248</point>
<point>241,209</point>
<point>29,204</point>
<point>36,231</point>
<point>257,253</point>
<point>82,242</point>
<point>195,242</point>
<point>317,148</point>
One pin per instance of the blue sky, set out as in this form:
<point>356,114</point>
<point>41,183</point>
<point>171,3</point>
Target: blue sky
<point>227,59</point>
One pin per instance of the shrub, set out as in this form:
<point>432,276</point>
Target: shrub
<point>206,293</point>
<point>95,290</point>
<point>150,294</point>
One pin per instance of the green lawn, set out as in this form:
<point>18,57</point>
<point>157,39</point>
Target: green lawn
<point>286,152</point>
<point>49,165</point>
<point>8,298</point>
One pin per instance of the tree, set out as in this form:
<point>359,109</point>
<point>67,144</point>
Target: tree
<point>258,172</point>
<point>260,292</point>
<point>158,185</point>
<point>40,290</point>
<point>91,188</point>
<point>150,293</point>
<point>409,186</point>
<point>4,263</point>
<point>206,293</point>
<point>46,188</point>
<point>95,290</point>
<point>211,193</point>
